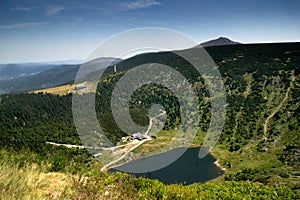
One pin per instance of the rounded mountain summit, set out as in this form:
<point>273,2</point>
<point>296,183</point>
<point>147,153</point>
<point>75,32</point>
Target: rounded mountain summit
<point>218,42</point>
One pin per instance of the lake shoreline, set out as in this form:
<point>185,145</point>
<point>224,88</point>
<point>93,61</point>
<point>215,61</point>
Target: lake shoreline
<point>218,165</point>
<point>195,169</point>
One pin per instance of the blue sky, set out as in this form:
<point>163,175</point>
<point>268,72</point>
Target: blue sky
<point>51,30</point>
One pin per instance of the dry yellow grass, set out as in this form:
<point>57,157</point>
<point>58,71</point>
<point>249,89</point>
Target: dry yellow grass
<point>60,90</point>
<point>31,183</point>
<point>50,184</point>
<point>66,89</point>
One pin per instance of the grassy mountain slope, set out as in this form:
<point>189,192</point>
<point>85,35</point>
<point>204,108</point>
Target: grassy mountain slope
<point>259,142</point>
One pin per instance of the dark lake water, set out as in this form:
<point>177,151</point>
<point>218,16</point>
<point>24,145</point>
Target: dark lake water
<point>187,169</point>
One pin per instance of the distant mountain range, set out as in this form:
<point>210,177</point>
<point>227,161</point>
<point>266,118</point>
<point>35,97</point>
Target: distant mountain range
<point>218,42</point>
<point>17,70</point>
<point>15,78</point>
<point>12,71</point>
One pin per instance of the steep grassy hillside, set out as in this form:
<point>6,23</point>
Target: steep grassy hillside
<point>260,139</point>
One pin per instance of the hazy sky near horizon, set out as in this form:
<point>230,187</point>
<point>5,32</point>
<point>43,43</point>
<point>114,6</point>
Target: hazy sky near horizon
<point>52,30</point>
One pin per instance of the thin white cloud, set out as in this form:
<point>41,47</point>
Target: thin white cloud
<point>76,21</point>
<point>21,25</point>
<point>137,4</point>
<point>54,10</point>
<point>21,9</point>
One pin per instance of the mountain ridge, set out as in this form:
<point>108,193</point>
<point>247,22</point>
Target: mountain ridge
<point>218,42</point>
<point>52,76</point>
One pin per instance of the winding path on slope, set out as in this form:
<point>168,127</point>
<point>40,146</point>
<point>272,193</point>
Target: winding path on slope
<point>124,152</point>
<point>136,143</point>
<point>267,121</point>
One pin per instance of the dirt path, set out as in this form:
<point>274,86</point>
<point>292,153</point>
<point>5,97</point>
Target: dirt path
<point>123,152</point>
<point>67,145</point>
<point>84,147</point>
<point>128,148</point>
<point>266,124</point>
